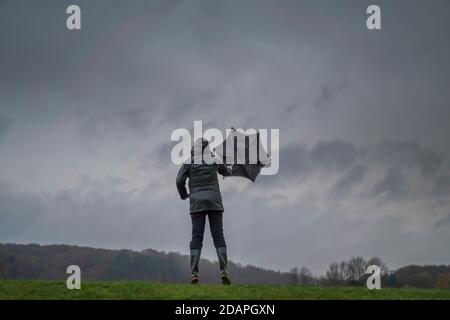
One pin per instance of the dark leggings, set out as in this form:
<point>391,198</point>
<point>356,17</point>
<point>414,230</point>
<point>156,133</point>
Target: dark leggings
<point>198,228</point>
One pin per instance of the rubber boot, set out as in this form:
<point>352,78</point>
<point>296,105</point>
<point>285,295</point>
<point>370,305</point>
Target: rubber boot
<point>195,260</point>
<point>223,264</point>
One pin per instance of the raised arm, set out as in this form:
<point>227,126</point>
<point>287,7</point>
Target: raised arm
<point>224,170</point>
<point>181,181</point>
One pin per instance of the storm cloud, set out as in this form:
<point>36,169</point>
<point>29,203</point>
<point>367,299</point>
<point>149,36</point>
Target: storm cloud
<point>86,118</point>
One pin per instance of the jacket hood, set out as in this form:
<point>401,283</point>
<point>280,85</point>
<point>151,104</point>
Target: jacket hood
<point>201,151</point>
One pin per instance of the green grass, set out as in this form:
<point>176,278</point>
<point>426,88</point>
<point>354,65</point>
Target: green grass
<point>136,290</point>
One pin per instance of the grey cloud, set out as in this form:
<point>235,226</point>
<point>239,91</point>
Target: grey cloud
<point>293,158</point>
<point>327,95</point>
<point>333,156</point>
<point>5,124</point>
<point>348,179</point>
<point>409,155</point>
<point>137,120</point>
<point>96,213</point>
<point>396,160</point>
<point>18,211</point>
<point>441,187</point>
<point>291,107</point>
<point>392,186</point>
<point>140,69</point>
<point>90,128</point>
<point>443,223</point>
<point>162,154</point>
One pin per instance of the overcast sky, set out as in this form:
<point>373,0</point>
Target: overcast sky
<point>86,118</point>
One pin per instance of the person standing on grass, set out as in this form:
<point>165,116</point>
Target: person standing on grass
<point>205,201</point>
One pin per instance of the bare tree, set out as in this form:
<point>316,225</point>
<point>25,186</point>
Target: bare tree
<point>294,274</point>
<point>356,268</point>
<point>305,277</point>
<point>380,263</point>
<point>333,273</point>
<point>344,273</point>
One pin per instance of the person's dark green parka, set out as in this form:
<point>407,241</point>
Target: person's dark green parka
<point>204,191</point>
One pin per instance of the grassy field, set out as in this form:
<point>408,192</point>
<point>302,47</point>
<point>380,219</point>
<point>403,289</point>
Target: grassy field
<point>30,289</point>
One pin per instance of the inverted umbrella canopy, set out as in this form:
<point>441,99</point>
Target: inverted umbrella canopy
<point>244,152</point>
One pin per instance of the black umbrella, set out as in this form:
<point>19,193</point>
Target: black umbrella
<point>244,152</point>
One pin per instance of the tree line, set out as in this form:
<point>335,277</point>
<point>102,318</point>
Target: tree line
<point>352,272</point>
<point>34,261</point>
<point>50,262</point>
